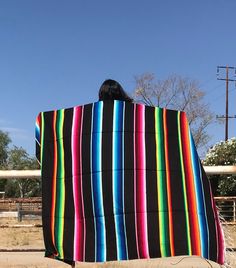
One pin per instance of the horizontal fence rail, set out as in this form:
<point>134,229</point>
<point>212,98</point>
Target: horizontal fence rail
<point>226,205</point>
<point>36,174</point>
<point>27,206</point>
<point>227,208</point>
<point>220,170</point>
<point>20,174</point>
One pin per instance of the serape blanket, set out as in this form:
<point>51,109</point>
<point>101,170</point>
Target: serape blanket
<point>123,181</point>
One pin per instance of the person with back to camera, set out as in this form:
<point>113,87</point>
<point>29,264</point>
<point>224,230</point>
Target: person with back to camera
<point>112,90</point>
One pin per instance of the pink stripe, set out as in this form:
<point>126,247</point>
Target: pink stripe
<point>141,182</point>
<point>221,242</point>
<point>135,187</point>
<point>81,187</point>
<point>77,184</point>
<point>219,234</point>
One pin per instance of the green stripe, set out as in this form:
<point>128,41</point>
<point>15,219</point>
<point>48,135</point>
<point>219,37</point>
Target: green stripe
<point>60,194</point>
<point>184,186</point>
<point>161,186</point>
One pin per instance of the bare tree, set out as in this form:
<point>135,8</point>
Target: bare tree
<point>177,93</point>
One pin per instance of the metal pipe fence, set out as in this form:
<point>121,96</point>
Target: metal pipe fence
<point>35,174</point>
<point>226,205</point>
<point>227,208</point>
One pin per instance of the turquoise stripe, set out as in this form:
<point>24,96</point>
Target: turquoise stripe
<point>97,191</point>
<point>123,182</point>
<point>118,184</point>
<point>37,133</point>
<point>91,164</point>
<point>202,217</point>
<point>206,252</point>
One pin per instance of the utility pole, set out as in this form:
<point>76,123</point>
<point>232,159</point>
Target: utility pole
<point>227,69</point>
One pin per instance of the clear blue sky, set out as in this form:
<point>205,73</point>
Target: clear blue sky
<point>56,53</point>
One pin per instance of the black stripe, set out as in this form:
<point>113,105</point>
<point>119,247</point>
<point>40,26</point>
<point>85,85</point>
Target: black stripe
<point>151,184</point>
<point>88,206</point>
<point>107,128</point>
<point>68,241</point>
<point>47,175</point>
<point>177,195</point>
<point>129,181</point>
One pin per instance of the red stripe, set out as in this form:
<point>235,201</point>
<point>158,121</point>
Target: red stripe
<point>38,121</point>
<point>193,216</point>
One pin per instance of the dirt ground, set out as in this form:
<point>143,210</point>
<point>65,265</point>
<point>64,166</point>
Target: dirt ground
<point>35,260</point>
<point>28,260</point>
<point>32,238</point>
<point>12,238</point>
<point>24,238</point>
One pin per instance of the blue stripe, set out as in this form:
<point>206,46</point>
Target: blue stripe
<point>206,252</point>
<point>123,182</point>
<point>37,133</point>
<point>200,200</point>
<point>91,164</point>
<point>118,183</point>
<point>100,233</point>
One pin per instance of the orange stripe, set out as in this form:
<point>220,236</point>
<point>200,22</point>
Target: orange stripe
<point>171,232</point>
<point>54,178</point>
<point>195,232</point>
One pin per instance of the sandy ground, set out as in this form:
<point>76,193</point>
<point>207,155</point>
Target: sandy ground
<point>31,238</point>
<point>15,238</point>
<point>36,260</point>
<point>28,260</point>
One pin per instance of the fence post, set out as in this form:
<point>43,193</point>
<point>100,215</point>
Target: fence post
<point>234,210</point>
<point>19,209</point>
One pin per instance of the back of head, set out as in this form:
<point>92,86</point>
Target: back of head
<point>112,90</point>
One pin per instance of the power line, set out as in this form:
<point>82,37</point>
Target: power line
<point>217,97</point>
<point>210,91</point>
<point>206,81</point>
<point>228,70</point>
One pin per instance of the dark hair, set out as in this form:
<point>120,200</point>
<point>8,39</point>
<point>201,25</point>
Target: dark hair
<point>112,90</point>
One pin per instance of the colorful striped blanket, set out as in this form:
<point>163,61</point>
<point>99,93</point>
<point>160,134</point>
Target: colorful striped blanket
<point>123,181</point>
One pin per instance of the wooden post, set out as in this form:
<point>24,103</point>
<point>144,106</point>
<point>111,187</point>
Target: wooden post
<point>19,209</point>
